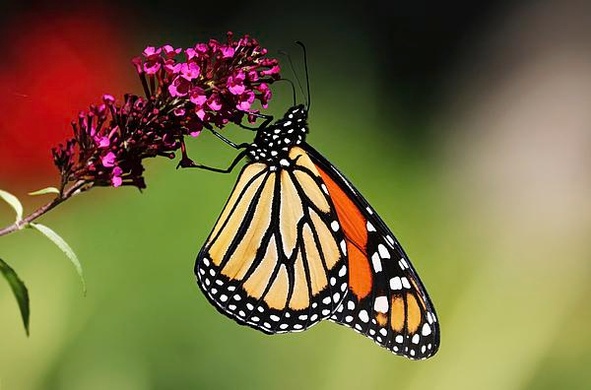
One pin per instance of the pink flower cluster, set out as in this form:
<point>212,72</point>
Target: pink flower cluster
<point>212,83</point>
<point>110,141</point>
<point>215,84</point>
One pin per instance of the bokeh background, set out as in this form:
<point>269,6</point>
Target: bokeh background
<point>468,127</point>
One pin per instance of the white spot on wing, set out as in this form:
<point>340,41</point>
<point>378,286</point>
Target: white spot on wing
<point>363,316</point>
<point>384,254</point>
<point>343,271</point>
<point>376,262</point>
<point>405,282</point>
<point>390,240</point>
<point>396,283</point>
<point>381,304</point>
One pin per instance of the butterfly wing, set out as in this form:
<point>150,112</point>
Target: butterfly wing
<point>386,300</point>
<point>275,259</point>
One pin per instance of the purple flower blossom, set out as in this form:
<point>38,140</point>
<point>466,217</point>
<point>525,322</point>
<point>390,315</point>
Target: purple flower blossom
<point>214,102</point>
<point>246,100</point>
<point>227,51</point>
<point>214,84</point>
<point>190,70</point>
<point>102,142</point>
<point>180,87</point>
<point>236,84</point>
<point>151,52</point>
<point>116,179</point>
<point>222,80</point>
<point>170,51</point>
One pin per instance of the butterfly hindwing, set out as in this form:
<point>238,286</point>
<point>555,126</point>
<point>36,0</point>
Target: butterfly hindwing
<point>275,259</point>
<point>386,301</point>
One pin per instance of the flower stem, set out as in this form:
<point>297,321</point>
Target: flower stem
<point>43,209</point>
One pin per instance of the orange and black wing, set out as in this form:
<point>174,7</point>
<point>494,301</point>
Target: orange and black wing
<point>386,300</point>
<point>276,258</point>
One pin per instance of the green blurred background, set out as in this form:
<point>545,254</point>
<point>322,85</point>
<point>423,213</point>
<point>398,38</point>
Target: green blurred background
<point>466,126</point>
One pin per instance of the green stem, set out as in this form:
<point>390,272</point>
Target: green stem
<point>18,225</point>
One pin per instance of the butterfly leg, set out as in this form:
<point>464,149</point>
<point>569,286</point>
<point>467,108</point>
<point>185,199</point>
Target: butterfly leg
<point>188,163</point>
<point>227,141</point>
<point>267,120</point>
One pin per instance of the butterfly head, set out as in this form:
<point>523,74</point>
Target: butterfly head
<point>272,143</point>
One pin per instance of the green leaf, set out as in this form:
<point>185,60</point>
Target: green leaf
<point>46,190</point>
<point>57,240</point>
<point>14,203</point>
<point>20,292</point>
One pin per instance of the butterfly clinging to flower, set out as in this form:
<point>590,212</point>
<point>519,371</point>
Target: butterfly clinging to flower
<point>297,243</point>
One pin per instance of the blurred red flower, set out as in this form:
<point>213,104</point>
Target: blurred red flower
<point>54,64</point>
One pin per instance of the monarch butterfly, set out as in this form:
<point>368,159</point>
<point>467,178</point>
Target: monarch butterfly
<point>297,243</point>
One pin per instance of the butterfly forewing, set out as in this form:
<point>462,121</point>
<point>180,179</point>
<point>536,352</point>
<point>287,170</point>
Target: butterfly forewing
<point>386,300</point>
<point>275,259</point>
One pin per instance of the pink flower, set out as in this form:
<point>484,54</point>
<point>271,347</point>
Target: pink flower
<point>198,96</point>
<point>245,101</point>
<point>116,179</point>
<point>235,84</point>
<point>253,76</point>
<point>274,70</point>
<point>151,52</point>
<point>108,99</point>
<point>214,84</point>
<point>172,67</point>
<point>191,53</point>
<point>214,102</point>
<point>264,89</point>
<point>170,51</point>
<point>227,51</point>
<point>102,142</point>
<point>180,87</point>
<point>151,67</point>
<point>201,47</point>
<point>108,160</point>
<point>195,127</point>
<point>213,44</point>
<point>200,112</point>
<point>190,70</point>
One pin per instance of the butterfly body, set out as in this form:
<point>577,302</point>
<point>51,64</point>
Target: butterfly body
<point>273,143</point>
<point>296,244</point>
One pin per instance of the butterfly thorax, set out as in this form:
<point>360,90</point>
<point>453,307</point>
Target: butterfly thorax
<point>272,143</point>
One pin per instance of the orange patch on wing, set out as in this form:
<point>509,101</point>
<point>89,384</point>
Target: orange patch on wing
<point>354,226</point>
<point>413,313</point>
<point>382,319</point>
<point>360,278</point>
<point>397,314</point>
<point>352,221</point>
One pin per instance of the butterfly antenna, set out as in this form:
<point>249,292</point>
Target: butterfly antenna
<point>293,89</point>
<point>306,68</point>
<point>293,71</point>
